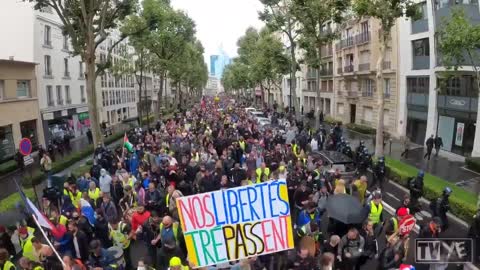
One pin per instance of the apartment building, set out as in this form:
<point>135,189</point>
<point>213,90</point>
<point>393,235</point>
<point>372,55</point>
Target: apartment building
<point>430,102</point>
<point>354,82</point>
<point>18,107</point>
<point>37,37</point>
<point>116,95</point>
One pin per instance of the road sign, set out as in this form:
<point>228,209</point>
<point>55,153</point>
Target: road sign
<point>25,147</point>
<point>27,160</point>
<point>406,225</point>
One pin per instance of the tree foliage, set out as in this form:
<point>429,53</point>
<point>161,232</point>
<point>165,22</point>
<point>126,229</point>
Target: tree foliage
<point>386,12</point>
<point>261,62</point>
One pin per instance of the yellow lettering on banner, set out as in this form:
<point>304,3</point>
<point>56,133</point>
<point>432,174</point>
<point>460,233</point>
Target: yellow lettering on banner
<point>192,256</point>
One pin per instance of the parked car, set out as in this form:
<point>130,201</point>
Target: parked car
<point>249,109</point>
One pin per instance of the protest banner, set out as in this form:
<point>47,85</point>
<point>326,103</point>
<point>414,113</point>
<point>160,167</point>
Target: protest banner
<point>232,224</point>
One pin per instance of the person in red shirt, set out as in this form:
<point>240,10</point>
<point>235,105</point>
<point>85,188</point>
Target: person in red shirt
<point>138,218</point>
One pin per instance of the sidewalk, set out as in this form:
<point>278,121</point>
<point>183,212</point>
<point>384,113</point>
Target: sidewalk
<point>446,165</point>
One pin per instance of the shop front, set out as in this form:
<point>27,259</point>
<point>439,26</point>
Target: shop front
<point>456,123</point>
<point>7,145</point>
<point>73,122</point>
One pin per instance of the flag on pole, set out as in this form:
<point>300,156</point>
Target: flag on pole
<point>127,143</point>
<point>32,209</point>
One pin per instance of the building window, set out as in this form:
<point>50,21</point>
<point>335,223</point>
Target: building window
<point>67,94</point>
<point>48,65</point>
<point>340,108</point>
<point>59,95</point>
<point>47,35</point>
<point>418,85</point>
<point>50,101</point>
<point>367,88</point>
<point>104,99</point>
<point>421,47</point>
<point>65,42</point>
<point>82,94</point>
<point>387,88</point>
<point>2,89</point>
<point>65,64</point>
<point>23,89</point>
<point>421,54</point>
<point>7,147</point>
<point>82,73</point>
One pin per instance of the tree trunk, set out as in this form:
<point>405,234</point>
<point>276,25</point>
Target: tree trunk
<point>91,77</point>
<point>381,99</point>
<point>476,140</point>
<point>160,93</point>
<point>292,102</point>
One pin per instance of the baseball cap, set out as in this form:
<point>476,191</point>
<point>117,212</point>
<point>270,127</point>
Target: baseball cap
<point>175,261</point>
<point>403,211</point>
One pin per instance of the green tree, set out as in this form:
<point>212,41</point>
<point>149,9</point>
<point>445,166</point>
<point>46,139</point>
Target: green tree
<point>459,45</point>
<point>278,16</point>
<point>313,18</point>
<point>89,24</point>
<point>236,78</point>
<point>387,12</point>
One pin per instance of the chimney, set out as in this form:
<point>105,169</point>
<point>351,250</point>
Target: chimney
<point>11,58</point>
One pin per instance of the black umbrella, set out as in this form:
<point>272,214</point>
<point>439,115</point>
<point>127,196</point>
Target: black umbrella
<point>346,209</point>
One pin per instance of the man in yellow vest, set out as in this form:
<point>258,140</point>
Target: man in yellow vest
<point>58,218</point>
<point>170,237</point>
<point>375,208</point>
<point>25,239</point>
<point>242,144</point>
<point>5,264</point>
<point>361,186</point>
<point>94,193</point>
<point>120,236</point>
<point>392,225</point>
<point>176,264</point>
<point>295,149</point>
<point>262,173</point>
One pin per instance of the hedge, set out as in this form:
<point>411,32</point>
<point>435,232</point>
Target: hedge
<point>361,128</point>
<point>10,202</point>
<point>462,202</point>
<point>331,121</point>
<point>58,166</point>
<point>80,171</point>
<point>473,163</point>
<point>8,166</point>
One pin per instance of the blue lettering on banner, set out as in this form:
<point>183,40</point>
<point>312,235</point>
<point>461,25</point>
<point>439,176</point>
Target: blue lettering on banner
<point>251,201</point>
<point>215,210</point>
<point>233,206</point>
<point>261,186</point>
<point>242,204</point>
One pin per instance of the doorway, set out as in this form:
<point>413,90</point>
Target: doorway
<point>353,113</point>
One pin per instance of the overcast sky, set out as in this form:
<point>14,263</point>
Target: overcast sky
<point>221,22</point>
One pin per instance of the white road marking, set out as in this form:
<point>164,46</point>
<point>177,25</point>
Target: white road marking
<point>393,196</point>
<point>467,169</point>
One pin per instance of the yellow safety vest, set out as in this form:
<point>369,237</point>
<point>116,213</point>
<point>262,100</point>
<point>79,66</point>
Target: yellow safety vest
<point>295,149</point>
<point>94,195</point>
<point>118,237</point>
<point>259,173</point>
<point>38,268</point>
<point>27,248</point>
<point>167,199</point>
<point>395,224</point>
<point>63,220</point>
<point>8,265</point>
<point>75,198</point>
<point>242,145</point>
<point>375,212</point>
<point>174,228</point>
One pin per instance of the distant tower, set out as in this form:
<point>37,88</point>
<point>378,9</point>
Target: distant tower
<point>213,64</point>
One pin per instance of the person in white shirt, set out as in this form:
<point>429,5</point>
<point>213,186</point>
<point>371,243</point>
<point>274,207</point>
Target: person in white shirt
<point>105,181</point>
<point>314,144</point>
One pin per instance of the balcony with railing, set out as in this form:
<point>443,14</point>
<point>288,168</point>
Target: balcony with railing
<point>311,74</point>
<point>348,68</point>
<point>348,42</point>
<point>364,67</point>
<point>326,72</point>
<point>362,38</point>
<point>387,65</point>
<point>327,51</point>
<point>367,93</point>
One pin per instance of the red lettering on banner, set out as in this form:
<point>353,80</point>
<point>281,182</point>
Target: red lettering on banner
<point>266,236</point>
<point>205,203</point>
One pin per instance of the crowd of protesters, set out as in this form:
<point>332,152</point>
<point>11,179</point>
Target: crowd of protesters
<point>129,198</point>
